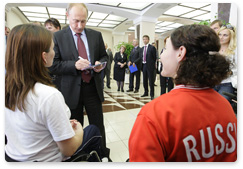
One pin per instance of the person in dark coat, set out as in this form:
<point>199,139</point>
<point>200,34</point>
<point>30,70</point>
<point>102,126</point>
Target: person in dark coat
<point>82,89</point>
<point>108,65</point>
<point>135,59</point>
<point>148,55</point>
<point>120,60</point>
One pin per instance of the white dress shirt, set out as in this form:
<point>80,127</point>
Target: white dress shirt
<point>84,39</point>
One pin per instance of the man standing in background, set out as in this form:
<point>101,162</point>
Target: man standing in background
<point>135,60</point>
<point>148,55</point>
<point>108,66</point>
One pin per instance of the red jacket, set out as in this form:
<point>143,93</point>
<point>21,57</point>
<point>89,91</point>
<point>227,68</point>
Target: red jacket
<point>186,124</point>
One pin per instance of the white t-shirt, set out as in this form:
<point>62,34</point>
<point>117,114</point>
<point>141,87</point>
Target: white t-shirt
<point>32,135</point>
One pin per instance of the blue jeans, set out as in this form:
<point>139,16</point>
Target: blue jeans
<point>225,87</point>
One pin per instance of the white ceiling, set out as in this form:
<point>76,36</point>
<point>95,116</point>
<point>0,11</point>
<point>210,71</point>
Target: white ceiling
<point>122,16</point>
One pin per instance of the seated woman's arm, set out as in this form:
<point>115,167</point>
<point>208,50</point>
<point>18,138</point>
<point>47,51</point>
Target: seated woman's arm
<point>69,146</point>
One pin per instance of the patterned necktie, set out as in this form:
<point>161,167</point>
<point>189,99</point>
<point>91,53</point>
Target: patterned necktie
<point>86,75</point>
<point>144,53</point>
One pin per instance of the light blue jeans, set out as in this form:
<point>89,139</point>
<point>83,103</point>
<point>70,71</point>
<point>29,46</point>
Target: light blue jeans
<point>225,87</point>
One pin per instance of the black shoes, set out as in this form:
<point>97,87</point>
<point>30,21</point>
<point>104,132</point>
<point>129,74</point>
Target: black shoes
<point>136,91</point>
<point>119,89</point>
<point>152,97</point>
<point>130,90</point>
<point>108,87</point>
<point>144,95</point>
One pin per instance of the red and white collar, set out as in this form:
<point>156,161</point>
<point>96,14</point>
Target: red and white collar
<point>190,87</point>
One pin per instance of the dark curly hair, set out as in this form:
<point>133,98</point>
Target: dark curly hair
<point>199,68</point>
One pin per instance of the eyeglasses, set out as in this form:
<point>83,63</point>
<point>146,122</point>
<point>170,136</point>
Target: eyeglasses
<point>228,26</point>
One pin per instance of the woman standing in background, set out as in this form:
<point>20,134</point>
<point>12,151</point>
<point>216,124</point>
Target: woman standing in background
<point>120,60</point>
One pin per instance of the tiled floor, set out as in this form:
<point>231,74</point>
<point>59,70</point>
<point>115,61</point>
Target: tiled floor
<point>120,112</point>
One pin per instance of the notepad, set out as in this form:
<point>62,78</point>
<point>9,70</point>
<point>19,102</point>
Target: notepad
<point>133,69</point>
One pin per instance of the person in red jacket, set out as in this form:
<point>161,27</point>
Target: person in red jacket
<point>192,122</point>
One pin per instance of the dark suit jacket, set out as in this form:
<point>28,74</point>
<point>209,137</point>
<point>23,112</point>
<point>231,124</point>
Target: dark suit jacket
<point>150,57</point>
<point>110,59</point>
<point>66,54</point>
<point>119,73</point>
<point>135,58</point>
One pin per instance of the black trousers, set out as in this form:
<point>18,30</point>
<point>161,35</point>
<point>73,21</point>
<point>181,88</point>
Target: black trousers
<point>131,80</point>
<point>89,100</point>
<point>107,75</point>
<point>91,141</point>
<point>163,84</point>
<point>148,75</point>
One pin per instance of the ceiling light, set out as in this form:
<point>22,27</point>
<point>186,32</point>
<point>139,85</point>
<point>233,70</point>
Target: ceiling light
<point>178,10</point>
<point>175,25</point>
<point>109,4</point>
<point>95,20</point>
<point>115,18</point>
<point>111,22</point>
<point>132,28</point>
<point>106,25</point>
<point>58,16</point>
<point>34,9</point>
<point>41,15</point>
<point>62,21</point>
<point>91,24</point>
<point>167,28</point>
<point>203,17</point>
<point>57,11</point>
<point>165,23</point>
<point>33,19</point>
<point>207,8</point>
<point>193,14</point>
<point>97,15</point>
<point>195,5</point>
<point>160,30</point>
<point>136,6</point>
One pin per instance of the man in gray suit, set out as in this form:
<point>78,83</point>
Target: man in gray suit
<point>76,47</point>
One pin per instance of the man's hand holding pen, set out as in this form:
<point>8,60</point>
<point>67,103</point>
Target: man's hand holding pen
<point>82,63</point>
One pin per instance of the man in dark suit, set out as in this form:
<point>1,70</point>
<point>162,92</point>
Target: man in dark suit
<point>134,59</point>
<point>148,55</point>
<point>75,49</point>
<point>108,66</point>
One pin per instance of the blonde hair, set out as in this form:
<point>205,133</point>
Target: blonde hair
<point>70,5</point>
<point>232,43</point>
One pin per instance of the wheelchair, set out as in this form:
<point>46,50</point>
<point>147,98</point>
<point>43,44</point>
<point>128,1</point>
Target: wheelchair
<point>85,157</point>
<point>80,157</point>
